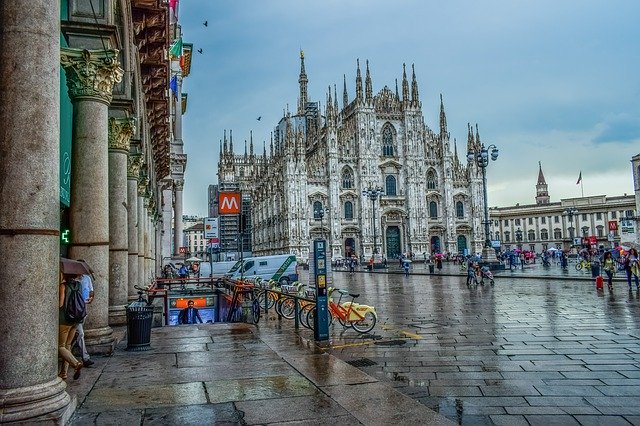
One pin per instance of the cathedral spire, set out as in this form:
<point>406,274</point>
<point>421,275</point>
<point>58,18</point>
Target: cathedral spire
<point>271,152</point>
<point>368,93</point>
<point>231,142</point>
<point>220,156</point>
<point>405,84</point>
<point>397,93</point>
<point>264,149</point>
<point>478,144</point>
<point>225,141</point>
<point>251,143</point>
<point>358,81</point>
<point>345,95</point>
<point>471,145</point>
<point>245,150</point>
<point>335,100</point>
<point>302,102</point>
<point>329,108</point>
<point>443,118</point>
<point>414,86</point>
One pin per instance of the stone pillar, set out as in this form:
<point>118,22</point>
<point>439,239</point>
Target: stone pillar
<point>133,171</point>
<point>30,390</point>
<point>90,78</point>
<point>177,218</point>
<point>147,241</point>
<point>167,202</point>
<point>120,132</point>
<point>142,188</point>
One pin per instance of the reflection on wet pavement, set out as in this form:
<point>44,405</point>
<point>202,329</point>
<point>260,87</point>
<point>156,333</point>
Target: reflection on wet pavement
<point>522,350</point>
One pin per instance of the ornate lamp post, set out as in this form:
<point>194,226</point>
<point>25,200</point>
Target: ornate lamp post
<point>481,157</point>
<point>319,214</point>
<point>570,212</point>
<point>519,238</point>
<point>373,194</point>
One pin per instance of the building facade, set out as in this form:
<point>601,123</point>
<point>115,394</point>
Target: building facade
<point>562,224</point>
<point>311,182</point>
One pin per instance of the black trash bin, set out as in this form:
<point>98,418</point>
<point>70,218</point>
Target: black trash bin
<point>431,268</point>
<point>139,320</point>
<point>595,268</point>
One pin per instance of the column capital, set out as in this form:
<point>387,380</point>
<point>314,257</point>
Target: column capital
<point>134,163</point>
<point>91,73</point>
<point>120,132</point>
<point>178,185</point>
<point>142,186</point>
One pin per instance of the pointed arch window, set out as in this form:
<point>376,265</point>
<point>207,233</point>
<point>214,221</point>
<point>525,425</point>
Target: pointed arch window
<point>459,209</point>
<point>318,211</point>
<point>348,210</point>
<point>387,141</point>
<point>347,178</point>
<point>433,210</point>
<point>390,185</point>
<point>431,179</point>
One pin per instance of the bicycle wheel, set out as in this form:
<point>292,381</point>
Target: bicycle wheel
<point>288,308</point>
<point>366,324</point>
<point>255,310</point>
<point>303,315</point>
<point>578,266</point>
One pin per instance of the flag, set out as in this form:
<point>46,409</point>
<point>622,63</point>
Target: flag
<point>173,6</point>
<point>173,85</point>
<point>176,49</point>
<point>579,178</point>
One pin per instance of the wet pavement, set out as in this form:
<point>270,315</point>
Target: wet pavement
<point>529,350</point>
<point>236,374</point>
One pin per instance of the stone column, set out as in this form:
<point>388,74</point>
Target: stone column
<point>133,171</point>
<point>30,390</point>
<point>142,188</point>
<point>177,218</point>
<point>90,78</point>
<point>167,202</point>
<point>120,132</point>
<point>147,241</point>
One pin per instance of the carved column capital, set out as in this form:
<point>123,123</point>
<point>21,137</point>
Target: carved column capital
<point>120,132</point>
<point>178,185</point>
<point>142,186</point>
<point>91,73</point>
<point>134,163</point>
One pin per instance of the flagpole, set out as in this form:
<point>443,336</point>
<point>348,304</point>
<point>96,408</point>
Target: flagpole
<point>582,188</point>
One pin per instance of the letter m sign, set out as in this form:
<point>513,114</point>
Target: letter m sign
<point>229,203</point>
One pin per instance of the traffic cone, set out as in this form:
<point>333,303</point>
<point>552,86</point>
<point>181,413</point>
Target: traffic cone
<point>599,282</point>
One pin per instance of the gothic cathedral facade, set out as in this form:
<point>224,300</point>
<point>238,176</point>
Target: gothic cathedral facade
<point>312,184</point>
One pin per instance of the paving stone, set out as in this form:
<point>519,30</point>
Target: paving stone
<point>194,414</point>
<point>528,410</point>
<point>634,420</point>
<point>501,420</point>
<point>554,401</point>
<point>620,390</point>
<point>568,390</point>
<point>547,420</point>
<point>111,398</point>
<point>602,421</point>
<point>454,391</point>
<point>290,409</point>
<point>259,388</point>
<point>107,418</point>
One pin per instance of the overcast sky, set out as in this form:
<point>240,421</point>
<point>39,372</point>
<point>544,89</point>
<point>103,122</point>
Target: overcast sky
<point>552,81</point>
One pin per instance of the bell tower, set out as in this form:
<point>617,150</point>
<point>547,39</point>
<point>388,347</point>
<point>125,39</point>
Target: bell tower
<point>542,194</point>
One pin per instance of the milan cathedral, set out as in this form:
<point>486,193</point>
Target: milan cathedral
<point>320,164</point>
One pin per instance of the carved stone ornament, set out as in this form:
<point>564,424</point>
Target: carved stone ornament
<point>142,186</point>
<point>134,163</point>
<point>178,185</point>
<point>91,73</point>
<point>120,132</point>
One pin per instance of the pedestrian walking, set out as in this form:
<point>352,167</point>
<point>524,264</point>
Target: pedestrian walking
<point>632,267</point>
<point>67,327</point>
<point>609,267</point>
<point>471,272</point>
<point>87,294</point>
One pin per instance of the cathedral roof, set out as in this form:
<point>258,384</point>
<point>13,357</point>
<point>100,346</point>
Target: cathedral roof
<point>541,180</point>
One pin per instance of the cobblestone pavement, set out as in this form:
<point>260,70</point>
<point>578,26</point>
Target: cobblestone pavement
<point>526,351</point>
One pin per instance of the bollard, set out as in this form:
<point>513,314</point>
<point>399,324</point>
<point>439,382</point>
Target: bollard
<point>296,311</point>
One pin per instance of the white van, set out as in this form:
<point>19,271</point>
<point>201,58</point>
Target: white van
<point>219,268</point>
<point>281,268</point>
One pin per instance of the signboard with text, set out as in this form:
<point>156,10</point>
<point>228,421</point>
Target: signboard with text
<point>627,230</point>
<point>211,227</point>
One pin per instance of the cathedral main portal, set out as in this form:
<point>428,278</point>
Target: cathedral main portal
<point>393,242</point>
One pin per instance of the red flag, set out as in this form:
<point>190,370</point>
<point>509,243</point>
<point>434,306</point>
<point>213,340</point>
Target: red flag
<point>579,178</point>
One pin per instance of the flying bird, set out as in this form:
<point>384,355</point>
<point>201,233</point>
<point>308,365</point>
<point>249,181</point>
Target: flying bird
<point>259,118</point>
<point>205,23</point>
<point>199,50</point>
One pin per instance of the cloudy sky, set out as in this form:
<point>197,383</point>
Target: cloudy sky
<point>554,81</point>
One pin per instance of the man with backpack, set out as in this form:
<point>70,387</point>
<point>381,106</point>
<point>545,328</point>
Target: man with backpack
<point>72,310</point>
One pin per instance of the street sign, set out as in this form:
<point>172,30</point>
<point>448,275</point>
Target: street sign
<point>613,225</point>
<point>611,237</point>
<point>211,227</point>
<point>229,203</point>
<point>214,243</point>
<point>182,250</point>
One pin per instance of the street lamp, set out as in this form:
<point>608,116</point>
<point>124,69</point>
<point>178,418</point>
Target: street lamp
<point>373,194</point>
<point>319,214</point>
<point>481,157</point>
<point>570,212</point>
<point>519,237</point>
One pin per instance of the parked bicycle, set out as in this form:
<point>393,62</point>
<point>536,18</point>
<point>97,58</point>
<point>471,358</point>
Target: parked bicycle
<point>362,318</point>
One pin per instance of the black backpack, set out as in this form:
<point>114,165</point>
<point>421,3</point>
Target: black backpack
<point>75,308</point>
